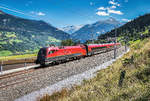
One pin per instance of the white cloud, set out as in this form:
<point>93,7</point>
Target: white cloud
<point>112,2</point>
<point>41,14</point>
<point>115,12</point>
<point>113,6</point>
<point>38,13</point>
<point>118,4</point>
<point>126,20</point>
<point>102,8</point>
<point>102,13</point>
<point>106,11</point>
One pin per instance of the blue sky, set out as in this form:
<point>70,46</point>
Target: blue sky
<point>62,13</point>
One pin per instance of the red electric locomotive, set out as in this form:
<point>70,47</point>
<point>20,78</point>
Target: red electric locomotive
<point>55,54</point>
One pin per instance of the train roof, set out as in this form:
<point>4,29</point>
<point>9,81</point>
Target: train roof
<point>63,47</point>
<point>80,45</point>
<point>102,45</point>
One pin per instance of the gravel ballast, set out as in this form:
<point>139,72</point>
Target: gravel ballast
<point>54,78</point>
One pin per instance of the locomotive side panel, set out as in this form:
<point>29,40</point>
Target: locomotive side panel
<point>64,54</point>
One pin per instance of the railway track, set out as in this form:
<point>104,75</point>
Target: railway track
<point>5,83</point>
<point>20,80</point>
<point>15,74</point>
<point>24,76</point>
<point>27,75</point>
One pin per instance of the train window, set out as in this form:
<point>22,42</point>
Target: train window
<point>52,51</point>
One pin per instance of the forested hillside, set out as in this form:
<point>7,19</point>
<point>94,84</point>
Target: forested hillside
<point>133,30</point>
<point>23,35</point>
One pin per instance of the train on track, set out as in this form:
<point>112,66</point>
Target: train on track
<point>57,54</point>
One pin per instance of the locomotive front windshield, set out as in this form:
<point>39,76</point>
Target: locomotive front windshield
<point>42,52</point>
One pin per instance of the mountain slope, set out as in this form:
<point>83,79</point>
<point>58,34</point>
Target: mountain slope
<point>92,31</point>
<point>71,29</point>
<point>18,34</point>
<point>133,30</point>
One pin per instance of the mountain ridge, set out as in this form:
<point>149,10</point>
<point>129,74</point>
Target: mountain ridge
<point>32,34</point>
<point>71,29</point>
<point>92,31</point>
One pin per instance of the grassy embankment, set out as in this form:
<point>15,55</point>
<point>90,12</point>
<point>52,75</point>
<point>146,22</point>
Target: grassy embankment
<point>106,87</point>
